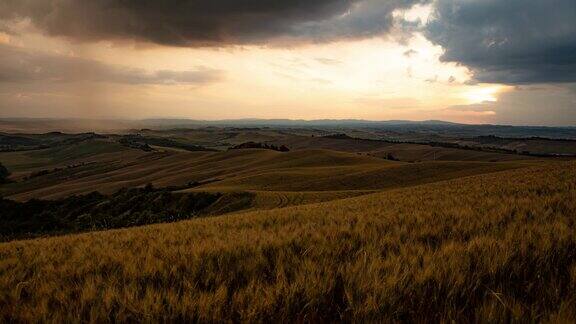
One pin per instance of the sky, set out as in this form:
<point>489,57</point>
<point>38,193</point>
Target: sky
<point>470,61</point>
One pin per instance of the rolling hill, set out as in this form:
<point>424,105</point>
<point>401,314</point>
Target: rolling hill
<point>402,151</point>
<point>107,167</point>
<point>495,247</point>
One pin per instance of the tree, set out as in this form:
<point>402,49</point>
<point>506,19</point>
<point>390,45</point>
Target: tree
<point>391,157</point>
<point>4,173</point>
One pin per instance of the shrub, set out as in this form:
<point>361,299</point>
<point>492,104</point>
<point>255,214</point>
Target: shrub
<point>4,173</point>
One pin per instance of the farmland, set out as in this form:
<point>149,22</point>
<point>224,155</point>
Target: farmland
<point>326,231</point>
<point>493,247</point>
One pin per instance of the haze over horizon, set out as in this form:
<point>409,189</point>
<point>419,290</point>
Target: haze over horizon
<point>465,61</point>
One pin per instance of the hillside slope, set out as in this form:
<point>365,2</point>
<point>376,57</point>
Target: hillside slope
<point>63,155</point>
<point>376,176</point>
<point>495,247</point>
<point>235,170</point>
<point>402,151</point>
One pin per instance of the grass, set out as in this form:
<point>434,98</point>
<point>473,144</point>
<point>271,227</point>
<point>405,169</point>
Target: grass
<point>378,175</point>
<point>78,151</point>
<point>280,199</point>
<point>56,156</point>
<point>497,247</point>
<point>402,151</point>
<point>242,170</point>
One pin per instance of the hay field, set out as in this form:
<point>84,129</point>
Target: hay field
<point>402,151</point>
<point>497,247</point>
<point>111,167</point>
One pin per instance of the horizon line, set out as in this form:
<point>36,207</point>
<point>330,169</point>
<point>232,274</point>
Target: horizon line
<point>256,119</point>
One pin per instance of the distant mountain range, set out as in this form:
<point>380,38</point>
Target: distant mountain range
<point>293,122</point>
<point>426,126</point>
<point>39,125</point>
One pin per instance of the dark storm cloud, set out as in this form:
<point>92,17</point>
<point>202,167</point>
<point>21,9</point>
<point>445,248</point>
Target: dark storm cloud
<point>20,66</point>
<point>512,41</point>
<point>207,22</point>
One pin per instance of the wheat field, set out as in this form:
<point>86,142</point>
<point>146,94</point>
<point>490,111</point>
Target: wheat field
<point>107,170</point>
<point>498,247</point>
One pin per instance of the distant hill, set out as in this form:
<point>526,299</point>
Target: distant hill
<point>40,125</point>
<point>290,122</point>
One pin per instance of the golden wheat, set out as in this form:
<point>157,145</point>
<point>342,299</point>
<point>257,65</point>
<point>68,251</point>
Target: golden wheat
<point>497,247</point>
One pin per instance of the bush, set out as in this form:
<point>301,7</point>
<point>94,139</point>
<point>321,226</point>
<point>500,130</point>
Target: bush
<point>127,207</point>
<point>252,145</point>
<point>4,173</point>
<point>391,157</point>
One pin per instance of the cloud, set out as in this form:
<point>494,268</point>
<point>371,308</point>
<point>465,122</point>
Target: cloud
<point>553,105</point>
<point>19,65</point>
<point>410,53</point>
<point>402,103</point>
<point>512,41</point>
<point>328,61</point>
<point>208,22</point>
<point>477,107</point>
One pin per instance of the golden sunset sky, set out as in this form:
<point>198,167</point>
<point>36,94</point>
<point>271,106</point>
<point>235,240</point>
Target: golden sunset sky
<point>413,66</point>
